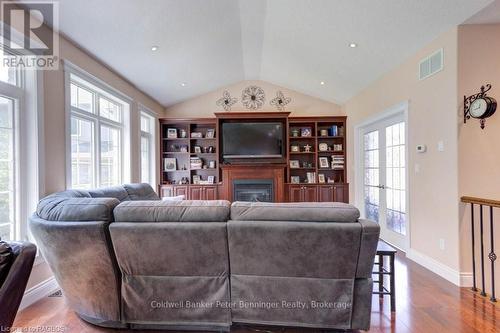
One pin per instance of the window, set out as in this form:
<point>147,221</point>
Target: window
<point>19,188</point>
<point>147,148</point>
<point>97,130</point>
<point>7,169</point>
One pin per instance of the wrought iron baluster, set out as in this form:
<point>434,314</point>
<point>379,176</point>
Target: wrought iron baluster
<point>474,287</point>
<point>492,256</point>
<point>483,293</point>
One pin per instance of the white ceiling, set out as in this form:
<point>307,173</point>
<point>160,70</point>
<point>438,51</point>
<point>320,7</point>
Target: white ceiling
<point>488,15</point>
<point>297,44</point>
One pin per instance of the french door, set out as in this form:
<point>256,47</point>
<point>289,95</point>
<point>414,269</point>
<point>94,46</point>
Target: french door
<point>384,178</point>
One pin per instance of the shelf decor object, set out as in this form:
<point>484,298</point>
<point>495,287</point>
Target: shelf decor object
<point>479,106</point>
<point>280,101</point>
<point>253,97</point>
<point>226,101</point>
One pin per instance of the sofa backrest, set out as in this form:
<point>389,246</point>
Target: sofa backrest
<point>92,205</point>
<point>173,211</point>
<point>294,212</point>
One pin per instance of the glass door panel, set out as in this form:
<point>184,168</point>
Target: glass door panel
<point>371,175</point>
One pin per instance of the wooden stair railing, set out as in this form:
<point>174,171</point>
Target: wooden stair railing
<point>491,255</point>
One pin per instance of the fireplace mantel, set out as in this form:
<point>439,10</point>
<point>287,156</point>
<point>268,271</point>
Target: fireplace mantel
<point>276,172</point>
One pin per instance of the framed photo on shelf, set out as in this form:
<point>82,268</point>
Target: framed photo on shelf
<point>210,133</point>
<point>170,164</point>
<point>305,132</point>
<point>294,164</point>
<point>323,146</point>
<point>323,163</point>
<point>196,179</point>
<point>197,149</point>
<point>294,179</point>
<point>294,149</point>
<point>197,135</point>
<point>211,179</point>
<point>172,133</point>
<point>321,178</point>
<point>311,177</point>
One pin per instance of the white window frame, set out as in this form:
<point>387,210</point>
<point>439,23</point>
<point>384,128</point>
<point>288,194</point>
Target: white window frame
<point>74,74</point>
<point>28,134</point>
<point>151,136</point>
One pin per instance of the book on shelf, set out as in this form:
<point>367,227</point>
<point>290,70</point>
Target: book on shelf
<point>338,162</point>
<point>196,163</point>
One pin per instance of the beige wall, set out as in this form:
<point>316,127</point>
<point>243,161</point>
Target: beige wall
<point>432,118</point>
<point>301,105</point>
<point>53,145</point>
<point>479,150</point>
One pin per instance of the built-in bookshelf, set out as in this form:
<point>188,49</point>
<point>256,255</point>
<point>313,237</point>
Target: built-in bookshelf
<point>189,151</point>
<point>316,148</point>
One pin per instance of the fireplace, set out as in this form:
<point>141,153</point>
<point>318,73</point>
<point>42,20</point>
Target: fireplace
<point>260,190</point>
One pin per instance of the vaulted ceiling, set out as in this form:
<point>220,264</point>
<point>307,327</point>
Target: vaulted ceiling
<point>206,44</point>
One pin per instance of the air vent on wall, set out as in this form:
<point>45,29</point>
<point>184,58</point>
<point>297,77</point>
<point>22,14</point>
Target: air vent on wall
<point>431,65</point>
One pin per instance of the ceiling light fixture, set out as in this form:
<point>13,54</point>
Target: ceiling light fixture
<point>353,45</point>
<point>322,83</point>
<point>154,48</point>
<point>183,84</point>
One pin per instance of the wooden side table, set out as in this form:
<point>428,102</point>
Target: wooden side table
<point>384,250</point>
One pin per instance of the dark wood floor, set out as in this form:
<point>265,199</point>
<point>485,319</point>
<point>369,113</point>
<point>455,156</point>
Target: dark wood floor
<point>426,303</point>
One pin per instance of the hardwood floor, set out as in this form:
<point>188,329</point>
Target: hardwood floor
<point>425,303</point>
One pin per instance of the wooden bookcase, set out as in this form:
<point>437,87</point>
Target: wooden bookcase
<point>308,160</point>
<point>184,145</point>
<point>305,135</point>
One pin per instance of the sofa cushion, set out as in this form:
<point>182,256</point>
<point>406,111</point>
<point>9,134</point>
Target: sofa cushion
<point>141,191</point>
<point>173,211</point>
<point>306,211</point>
<point>117,192</point>
<point>58,208</point>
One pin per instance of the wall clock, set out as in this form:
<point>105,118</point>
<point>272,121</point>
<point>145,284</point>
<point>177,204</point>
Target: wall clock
<point>479,106</point>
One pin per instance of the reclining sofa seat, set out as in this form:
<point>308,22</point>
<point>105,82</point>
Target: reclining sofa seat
<point>71,230</point>
<point>303,264</point>
<point>175,264</point>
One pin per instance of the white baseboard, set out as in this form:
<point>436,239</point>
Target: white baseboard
<point>466,279</point>
<point>36,293</point>
<point>446,272</point>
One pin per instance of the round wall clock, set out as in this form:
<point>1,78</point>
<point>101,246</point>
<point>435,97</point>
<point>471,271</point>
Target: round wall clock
<point>479,106</point>
<point>483,107</point>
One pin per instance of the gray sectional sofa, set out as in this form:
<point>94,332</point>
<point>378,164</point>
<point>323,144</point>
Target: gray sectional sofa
<point>124,258</point>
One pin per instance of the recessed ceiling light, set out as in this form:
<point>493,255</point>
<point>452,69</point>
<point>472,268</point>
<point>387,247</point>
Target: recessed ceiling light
<point>322,83</point>
<point>183,84</point>
<point>154,48</point>
<point>353,45</point>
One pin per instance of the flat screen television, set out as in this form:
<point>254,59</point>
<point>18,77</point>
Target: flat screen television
<point>252,140</point>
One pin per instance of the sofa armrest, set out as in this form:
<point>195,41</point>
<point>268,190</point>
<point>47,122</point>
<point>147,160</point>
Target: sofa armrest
<point>370,232</point>
<point>56,208</point>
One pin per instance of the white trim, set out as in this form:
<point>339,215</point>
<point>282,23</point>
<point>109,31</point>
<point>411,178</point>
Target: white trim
<point>72,68</point>
<point>36,293</point>
<point>446,272</point>
<point>466,279</point>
